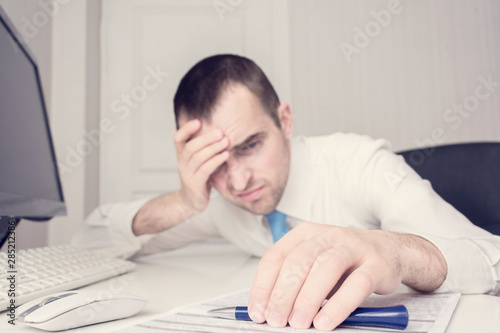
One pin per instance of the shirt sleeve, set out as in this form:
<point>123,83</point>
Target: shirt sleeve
<point>404,202</point>
<point>110,226</point>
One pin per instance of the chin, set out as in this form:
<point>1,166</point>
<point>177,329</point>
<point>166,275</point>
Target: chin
<point>259,207</point>
<point>262,206</point>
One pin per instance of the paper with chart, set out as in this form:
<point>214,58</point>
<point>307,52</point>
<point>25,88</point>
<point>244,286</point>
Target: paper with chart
<point>428,313</point>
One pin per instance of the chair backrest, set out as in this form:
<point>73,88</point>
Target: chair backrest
<point>465,175</point>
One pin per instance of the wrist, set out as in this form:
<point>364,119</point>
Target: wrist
<point>424,267</point>
<point>190,203</point>
<point>183,208</point>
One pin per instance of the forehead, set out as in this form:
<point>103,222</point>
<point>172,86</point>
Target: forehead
<point>238,113</point>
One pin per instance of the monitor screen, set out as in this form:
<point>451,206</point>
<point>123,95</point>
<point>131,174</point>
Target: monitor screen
<point>29,179</point>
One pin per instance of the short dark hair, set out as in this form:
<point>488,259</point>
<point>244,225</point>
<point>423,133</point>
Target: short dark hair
<point>202,86</point>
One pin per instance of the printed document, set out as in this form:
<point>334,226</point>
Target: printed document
<point>428,313</point>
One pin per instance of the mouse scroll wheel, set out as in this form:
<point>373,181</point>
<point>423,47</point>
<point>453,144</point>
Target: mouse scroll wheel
<point>48,300</point>
<point>53,298</point>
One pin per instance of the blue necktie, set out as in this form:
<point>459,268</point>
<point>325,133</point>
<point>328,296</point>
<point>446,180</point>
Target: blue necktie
<point>277,222</point>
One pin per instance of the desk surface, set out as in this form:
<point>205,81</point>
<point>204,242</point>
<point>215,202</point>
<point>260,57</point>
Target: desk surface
<point>169,280</point>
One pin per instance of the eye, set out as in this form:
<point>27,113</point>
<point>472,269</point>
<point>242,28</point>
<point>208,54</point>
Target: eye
<point>250,146</point>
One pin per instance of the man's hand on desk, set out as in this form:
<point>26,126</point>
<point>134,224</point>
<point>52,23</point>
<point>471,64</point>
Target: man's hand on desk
<point>314,262</point>
<point>199,155</point>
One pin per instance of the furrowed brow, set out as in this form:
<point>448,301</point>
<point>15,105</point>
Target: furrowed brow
<point>247,140</point>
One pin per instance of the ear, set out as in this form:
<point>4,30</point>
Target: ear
<point>285,117</point>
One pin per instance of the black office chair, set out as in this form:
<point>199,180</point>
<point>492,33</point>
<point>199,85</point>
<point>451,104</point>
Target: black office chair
<point>465,175</point>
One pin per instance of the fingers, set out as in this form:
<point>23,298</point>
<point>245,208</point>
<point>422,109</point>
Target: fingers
<point>267,273</point>
<point>355,289</point>
<point>197,159</point>
<point>280,275</point>
<point>194,153</point>
<point>209,166</point>
<point>183,134</point>
<point>187,146</point>
<point>324,275</point>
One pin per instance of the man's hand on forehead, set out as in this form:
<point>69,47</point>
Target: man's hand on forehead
<point>199,154</point>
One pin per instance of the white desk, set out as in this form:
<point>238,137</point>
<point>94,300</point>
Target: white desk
<point>203,271</point>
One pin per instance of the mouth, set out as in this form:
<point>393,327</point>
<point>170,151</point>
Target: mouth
<point>251,195</point>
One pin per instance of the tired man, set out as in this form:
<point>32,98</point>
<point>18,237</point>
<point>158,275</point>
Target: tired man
<point>354,229</point>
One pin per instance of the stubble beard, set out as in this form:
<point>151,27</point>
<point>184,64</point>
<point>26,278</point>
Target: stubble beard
<point>268,203</point>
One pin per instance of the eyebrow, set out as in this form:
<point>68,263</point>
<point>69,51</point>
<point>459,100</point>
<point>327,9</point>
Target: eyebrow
<point>247,140</point>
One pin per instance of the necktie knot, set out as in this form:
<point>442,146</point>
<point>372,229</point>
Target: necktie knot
<point>277,223</point>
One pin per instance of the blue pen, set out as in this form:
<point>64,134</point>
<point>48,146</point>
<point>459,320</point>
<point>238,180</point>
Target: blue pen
<point>395,317</point>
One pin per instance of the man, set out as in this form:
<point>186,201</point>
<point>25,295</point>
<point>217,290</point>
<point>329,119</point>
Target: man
<point>361,230</point>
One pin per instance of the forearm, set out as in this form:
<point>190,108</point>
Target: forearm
<point>160,214</point>
<point>423,266</point>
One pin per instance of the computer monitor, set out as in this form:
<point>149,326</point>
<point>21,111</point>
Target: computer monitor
<point>30,187</point>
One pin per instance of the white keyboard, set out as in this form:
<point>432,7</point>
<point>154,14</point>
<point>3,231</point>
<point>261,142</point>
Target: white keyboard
<point>46,270</point>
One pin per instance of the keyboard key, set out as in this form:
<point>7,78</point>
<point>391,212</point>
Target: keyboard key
<point>21,290</point>
<point>25,278</point>
<point>43,284</point>
<point>33,286</point>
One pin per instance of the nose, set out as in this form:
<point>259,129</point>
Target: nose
<point>238,175</point>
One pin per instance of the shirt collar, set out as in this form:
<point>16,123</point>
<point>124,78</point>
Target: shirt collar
<point>298,195</point>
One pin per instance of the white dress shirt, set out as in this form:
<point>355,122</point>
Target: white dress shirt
<point>342,179</point>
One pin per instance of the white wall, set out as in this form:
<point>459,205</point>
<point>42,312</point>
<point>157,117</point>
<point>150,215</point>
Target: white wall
<point>68,107</point>
<point>402,82</point>
<point>92,116</point>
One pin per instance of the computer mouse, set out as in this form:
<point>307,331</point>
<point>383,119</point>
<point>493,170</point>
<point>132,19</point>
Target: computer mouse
<point>71,309</point>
